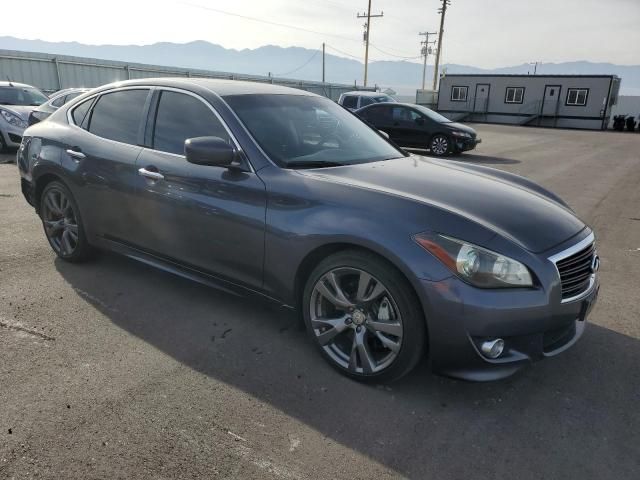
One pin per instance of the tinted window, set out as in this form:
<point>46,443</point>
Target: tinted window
<point>58,102</point>
<point>21,96</point>
<point>379,115</point>
<point>366,101</point>
<point>80,111</point>
<point>303,130</point>
<point>403,114</point>
<point>350,101</point>
<point>117,115</point>
<point>181,116</point>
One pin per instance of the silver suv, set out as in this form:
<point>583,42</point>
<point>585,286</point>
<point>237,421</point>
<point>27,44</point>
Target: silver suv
<point>17,100</point>
<point>355,100</point>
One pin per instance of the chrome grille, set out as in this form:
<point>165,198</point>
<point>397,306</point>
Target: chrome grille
<point>575,271</point>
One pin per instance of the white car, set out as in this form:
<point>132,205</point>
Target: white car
<point>17,100</point>
<point>357,99</point>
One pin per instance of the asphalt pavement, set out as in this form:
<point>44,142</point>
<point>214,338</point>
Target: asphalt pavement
<point>114,370</point>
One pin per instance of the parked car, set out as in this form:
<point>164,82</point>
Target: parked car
<point>283,194</point>
<point>358,99</point>
<point>55,101</point>
<point>416,126</point>
<point>17,100</point>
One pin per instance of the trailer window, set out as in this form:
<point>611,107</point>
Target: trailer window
<point>514,95</point>
<point>577,96</point>
<point>459,94</point>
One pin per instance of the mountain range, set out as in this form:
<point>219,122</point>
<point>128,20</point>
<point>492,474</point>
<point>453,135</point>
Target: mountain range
<point>304,64</point>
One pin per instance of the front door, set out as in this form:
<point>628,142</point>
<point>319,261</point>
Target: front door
<point>481,100</point>
<point>550,100</point>
<point>207,217</point>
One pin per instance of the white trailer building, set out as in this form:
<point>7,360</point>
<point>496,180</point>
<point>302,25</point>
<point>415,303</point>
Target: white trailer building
<point>564,101</point>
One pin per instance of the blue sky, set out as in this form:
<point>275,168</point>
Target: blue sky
<point>484,33</point>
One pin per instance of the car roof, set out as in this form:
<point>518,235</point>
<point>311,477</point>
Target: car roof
<point>366,93</point>
<point>14,84</point>
<point>387,104</point>
<point>221,87</point>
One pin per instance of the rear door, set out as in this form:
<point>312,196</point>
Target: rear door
<point>408,127</point>
<point>206,217</point>
<point>101,154</point>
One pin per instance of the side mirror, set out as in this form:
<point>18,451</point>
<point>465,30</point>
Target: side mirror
<point>420,121</point>
<point>209,151</point>
<point>384,134</point>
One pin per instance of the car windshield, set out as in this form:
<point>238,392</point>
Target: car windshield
<point>21,96</point>
<point>435,116</point>
<point>300,131</point>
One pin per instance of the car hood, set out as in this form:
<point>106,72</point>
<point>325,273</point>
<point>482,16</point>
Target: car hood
<point>460,126</point>
<point>507,206</point>
<point>21,111</point>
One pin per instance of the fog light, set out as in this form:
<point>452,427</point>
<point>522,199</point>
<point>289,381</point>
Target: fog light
<point>492,348</point>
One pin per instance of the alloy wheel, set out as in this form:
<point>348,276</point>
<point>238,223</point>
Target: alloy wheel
<point>439,145</point>
<point>60,222</point>
<point>356,320</point>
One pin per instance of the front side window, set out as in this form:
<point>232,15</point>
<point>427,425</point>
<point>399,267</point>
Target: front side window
<point>350,101</point>
<point>459,94</point>
<point>181,116</point>
<point>22,96</point>
<point>514,95</point>
<point>577,96</point>
<point>117,115</point>
<point>303,131</point>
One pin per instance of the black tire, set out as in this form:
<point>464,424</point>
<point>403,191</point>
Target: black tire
<point>440,145</point>
<point>3,146</point>
<point>413,339</point>
<point>81,249</point>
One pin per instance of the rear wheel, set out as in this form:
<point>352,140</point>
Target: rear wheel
<point>363,316</point>
<point>440,145</point>
<point>62,223</point>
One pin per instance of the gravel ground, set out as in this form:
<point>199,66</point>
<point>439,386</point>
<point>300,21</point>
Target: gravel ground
<point>115,370</point>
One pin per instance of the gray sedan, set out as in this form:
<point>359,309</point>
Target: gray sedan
<point>284,195</point>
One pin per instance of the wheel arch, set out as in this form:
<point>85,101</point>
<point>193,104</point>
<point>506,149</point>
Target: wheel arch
<point>41,182</point>
<point>315,256</point>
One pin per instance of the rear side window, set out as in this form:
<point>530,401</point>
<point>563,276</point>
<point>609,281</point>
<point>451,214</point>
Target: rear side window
<point>80,112</point>
<point>58,102</point>
<point>350,101</point>
<point>366,101</point>
<point>117,115</point>
<point>180,116</point>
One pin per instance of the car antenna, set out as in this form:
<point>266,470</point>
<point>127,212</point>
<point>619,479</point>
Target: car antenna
<point>10,84</point>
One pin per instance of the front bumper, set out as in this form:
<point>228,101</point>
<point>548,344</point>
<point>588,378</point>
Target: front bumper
<point>11,134</point>
<point>460,317</point>
<point>462,144</point>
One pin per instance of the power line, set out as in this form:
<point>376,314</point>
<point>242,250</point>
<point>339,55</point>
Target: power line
<point>268,22</point>
<point>393,55</point>
<point>300,67</point>
<point>342,52</point>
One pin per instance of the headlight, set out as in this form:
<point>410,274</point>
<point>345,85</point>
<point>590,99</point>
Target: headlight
<point>476,265</point>
<point>457,133</point>
<point>13,119</point>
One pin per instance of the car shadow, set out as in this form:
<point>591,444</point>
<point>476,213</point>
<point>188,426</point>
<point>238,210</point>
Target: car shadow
<point>567,417</point>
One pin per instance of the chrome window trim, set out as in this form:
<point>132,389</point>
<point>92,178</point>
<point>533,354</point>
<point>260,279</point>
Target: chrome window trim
<point>591,238</point>
<point>151,88</point>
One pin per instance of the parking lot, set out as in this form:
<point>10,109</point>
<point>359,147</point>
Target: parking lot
<point>113,369</point>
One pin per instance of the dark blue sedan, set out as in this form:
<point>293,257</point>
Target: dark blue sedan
<point>283,194</point>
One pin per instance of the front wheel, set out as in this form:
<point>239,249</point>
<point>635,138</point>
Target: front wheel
<point>62,223</point>
<point>440,145</point>
<point>364,317</point>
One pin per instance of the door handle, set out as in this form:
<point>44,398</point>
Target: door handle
<point>76,154</point>
<point>150,175</point>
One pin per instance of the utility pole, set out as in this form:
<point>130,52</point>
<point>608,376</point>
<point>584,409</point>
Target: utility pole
<point>535,66</point>
<point>425,51</point>
<point>322,62</point>
<point>442,10</point>
<point>367,31</point>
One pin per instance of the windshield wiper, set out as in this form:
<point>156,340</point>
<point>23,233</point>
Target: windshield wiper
<point>312,164</point>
